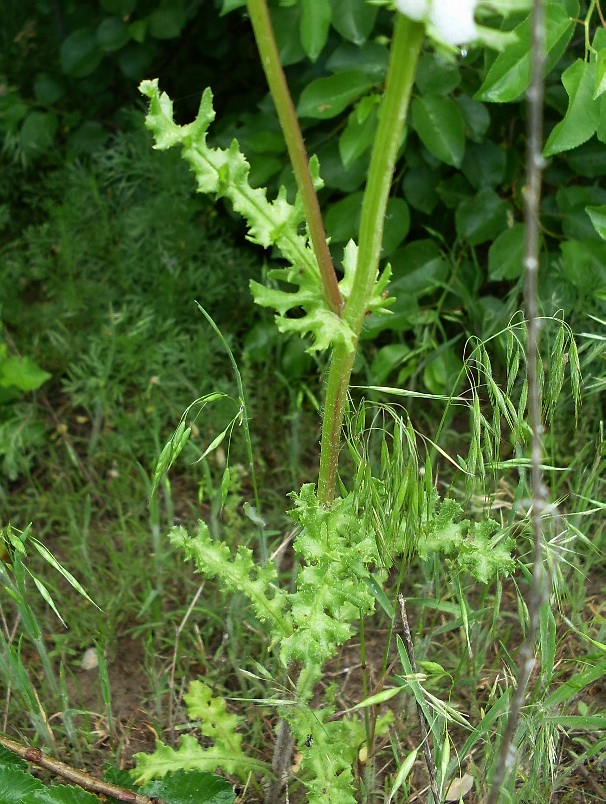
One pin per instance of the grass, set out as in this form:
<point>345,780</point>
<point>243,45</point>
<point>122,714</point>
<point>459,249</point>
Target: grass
<point>104,301</point>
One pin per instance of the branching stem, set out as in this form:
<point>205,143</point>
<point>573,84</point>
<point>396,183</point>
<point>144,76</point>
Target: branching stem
<point>270,59</point>
<point>405,49</point>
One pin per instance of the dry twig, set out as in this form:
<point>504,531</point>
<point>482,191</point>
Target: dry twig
<point>540,497</point>
<point>75,776</point>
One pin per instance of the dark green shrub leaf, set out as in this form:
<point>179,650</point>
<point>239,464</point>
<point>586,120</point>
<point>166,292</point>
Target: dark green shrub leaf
<point>442,371</point>
<point>12,110</point>
<point>369,58</point>
<point>335,175</point>
<point>419,186</point>
<point>572,203</point>
<point>134,61</point>
<point>397,225</point>
<point>137,30</point>
<point>121,8</point>
<point>439,123</point>
<point>357,137</point>
<point>343,218</point>
<point>315,21</point>
<point>87,138</point>
<point>387,359</point>
<point>482,217</point>
<point>61,794</point>
<point>37,133</point>
<point>16,785</point>
<point>476,115</point>
<point>112,34</point>
<point>286,22</point>
<point>599,55</point>
<point>588,160</point>
<point>601,127</point>
<point>185,787</point>
<point>454,190</point>
<point>435,76</point>
<point>484,164</point>
<point>509,75</point>
<point>598,218</point>
<point>600,82</point>
<point>353,19</point>
<point>80,53</point>
<point>168,21</point>
<point>418,268</point>
<point>506,254</point>
<point>582,115</point>
<point>47,89</point>
<point>584,264</point>
<point>327,97</point>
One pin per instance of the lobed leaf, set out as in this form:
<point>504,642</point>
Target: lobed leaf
<point>224,173</point>
<point>238,573</point>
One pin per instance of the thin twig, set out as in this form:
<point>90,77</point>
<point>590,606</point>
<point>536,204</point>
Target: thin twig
<point>540,502</point>
<point>431,767</point>
<point>281,763</point>
<point>75,776</point>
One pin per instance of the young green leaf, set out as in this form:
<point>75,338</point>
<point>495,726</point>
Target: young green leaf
<point>224,173</point>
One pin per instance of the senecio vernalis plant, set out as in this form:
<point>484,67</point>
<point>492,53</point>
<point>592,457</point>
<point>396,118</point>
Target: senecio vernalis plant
<point>339,539</point>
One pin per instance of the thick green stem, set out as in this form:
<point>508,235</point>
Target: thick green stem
<point>405,49</point>
<point>270,59</point>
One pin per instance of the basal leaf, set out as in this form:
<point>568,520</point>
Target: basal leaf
<point>582,115</point>
<point>190,756</point>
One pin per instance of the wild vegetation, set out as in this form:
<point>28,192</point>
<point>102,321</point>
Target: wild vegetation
<point>383,541</point>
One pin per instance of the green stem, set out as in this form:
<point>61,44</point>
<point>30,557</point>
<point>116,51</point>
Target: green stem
<point>270,59</point>
<point>405,49</point>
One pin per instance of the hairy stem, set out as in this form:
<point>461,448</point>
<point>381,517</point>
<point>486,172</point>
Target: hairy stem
<point>270,59</point>
<point>538,589</point>
<point>405,49</point>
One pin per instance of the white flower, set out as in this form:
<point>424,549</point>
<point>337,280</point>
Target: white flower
<point>415,9</point>
<point>452,23</point>
<point>448,21</point>
<point>453,20</point>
